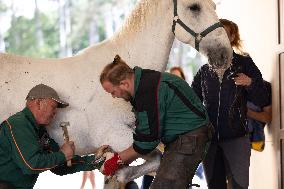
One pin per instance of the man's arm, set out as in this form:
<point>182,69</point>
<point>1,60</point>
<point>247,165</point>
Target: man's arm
<point>26,150</point>
<point>82,163</point>
<point>79,163</point>
<point>264,116</point>
<point>253,82</point>
<point>128,155</point>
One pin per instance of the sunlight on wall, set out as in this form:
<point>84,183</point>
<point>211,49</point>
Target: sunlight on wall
<point>257,22</point>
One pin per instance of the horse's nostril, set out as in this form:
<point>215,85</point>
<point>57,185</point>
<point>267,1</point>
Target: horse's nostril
<point>218,57</point>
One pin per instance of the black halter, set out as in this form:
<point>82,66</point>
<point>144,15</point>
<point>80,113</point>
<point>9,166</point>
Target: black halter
<point>198,36</point>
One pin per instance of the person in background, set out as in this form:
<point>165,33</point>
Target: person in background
<point>88,175</point>
<point>178,72</point>
<point>26,149</point>
<point>147,181</point>
<point>258,117</point>
<point>168,111</point>
<point>228,157</point>
<point>131,185</point>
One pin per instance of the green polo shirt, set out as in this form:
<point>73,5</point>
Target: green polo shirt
<point>175,118</point>
<point>27,150</point>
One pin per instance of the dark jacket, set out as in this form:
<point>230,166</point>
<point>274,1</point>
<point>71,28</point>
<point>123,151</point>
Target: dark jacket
<point>256,128</point>
<point>226,102</point>
<point>27,150</point>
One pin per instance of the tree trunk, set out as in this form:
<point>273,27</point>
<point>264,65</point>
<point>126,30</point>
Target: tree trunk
<point>93,32</point>
<point>108,22</point>
<point>39,33</point>
<point>2,44</point>
<point>15,34</point>
<point>64,28</point>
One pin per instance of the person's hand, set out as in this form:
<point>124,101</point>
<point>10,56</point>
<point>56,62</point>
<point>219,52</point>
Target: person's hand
<point>242,80</point>
<point>112,164</point>
<point>101,150</point>
<point>68,149</point>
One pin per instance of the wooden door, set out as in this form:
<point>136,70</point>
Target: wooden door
<point>281,91</point>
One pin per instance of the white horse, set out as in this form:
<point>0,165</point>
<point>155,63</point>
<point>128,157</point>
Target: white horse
<point>144,40</point>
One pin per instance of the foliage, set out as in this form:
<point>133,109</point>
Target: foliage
<point>91,21</point>
<point>3,7</point>
<point>20,38</point>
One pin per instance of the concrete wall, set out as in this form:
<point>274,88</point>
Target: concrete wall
<point>257,20</point>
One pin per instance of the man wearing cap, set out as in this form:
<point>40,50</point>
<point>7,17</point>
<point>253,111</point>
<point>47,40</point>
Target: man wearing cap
<point>26,148</point>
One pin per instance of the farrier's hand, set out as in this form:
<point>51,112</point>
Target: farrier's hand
<point>68,149</point>
<point>242,80</point>
<point>112,164</point>
<point>101,150</point>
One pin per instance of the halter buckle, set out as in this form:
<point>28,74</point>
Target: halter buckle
<point>176,18</point>
<point>198,37</point>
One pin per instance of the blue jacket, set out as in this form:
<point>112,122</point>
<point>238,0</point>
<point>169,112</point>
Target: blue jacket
<point>256,128</point>
<point>226,102</point>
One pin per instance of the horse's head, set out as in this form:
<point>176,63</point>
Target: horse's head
<point>196,23</point>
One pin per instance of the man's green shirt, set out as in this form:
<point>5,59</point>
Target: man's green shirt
<point>174,117</point>
<point>27,150</point>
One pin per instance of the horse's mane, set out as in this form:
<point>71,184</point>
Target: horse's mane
<point>137,19</point>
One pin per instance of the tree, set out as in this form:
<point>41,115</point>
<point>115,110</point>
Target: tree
<point>20,38</point>
<point>64,28</point>
<point>3,9</point>
<point>38,30</point>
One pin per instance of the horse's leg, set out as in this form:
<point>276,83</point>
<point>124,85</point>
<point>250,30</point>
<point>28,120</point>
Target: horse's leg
<point>112,183</point>
<point>129,173</point>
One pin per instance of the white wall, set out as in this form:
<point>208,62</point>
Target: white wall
<point>257,21</point>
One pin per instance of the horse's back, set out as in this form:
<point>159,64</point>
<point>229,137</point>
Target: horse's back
<point>94,116</point>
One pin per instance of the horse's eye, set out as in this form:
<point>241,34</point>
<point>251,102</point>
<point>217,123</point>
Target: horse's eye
<point>194,7</point>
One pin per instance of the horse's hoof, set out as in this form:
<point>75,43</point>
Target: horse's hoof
<point>120,176</point>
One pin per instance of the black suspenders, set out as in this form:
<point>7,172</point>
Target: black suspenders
<point>186,101</point>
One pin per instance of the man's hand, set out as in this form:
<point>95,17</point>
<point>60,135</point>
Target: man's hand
<point>112,164</point>
<point>101,150</point>
<point>68,149</point>
<point>243,80</point>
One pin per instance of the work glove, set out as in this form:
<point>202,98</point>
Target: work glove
<point>112,164</point>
